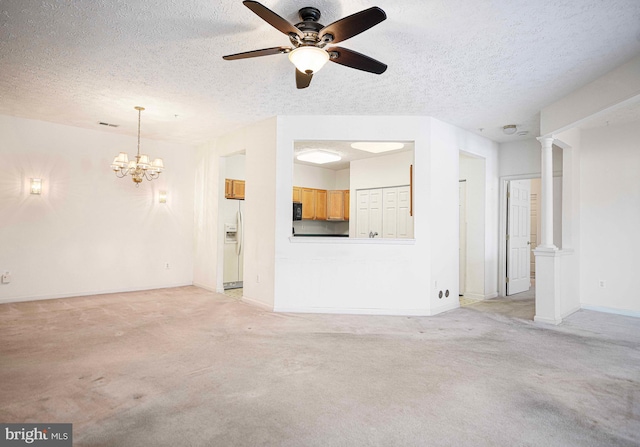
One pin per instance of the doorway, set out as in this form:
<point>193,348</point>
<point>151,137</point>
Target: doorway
<point>231,219</point>
<point>520,226</point>
<point>472,187</point>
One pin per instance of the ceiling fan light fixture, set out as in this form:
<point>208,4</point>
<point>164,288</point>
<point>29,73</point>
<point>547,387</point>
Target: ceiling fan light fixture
<point>318,157</point>
<point>377,147</point>
<point>309,59</point>
<point>509,129</point>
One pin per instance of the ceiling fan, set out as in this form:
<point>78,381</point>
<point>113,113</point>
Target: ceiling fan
<point>313,42</point>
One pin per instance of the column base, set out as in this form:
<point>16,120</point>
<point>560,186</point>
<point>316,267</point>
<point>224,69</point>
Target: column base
<point>554,322</point>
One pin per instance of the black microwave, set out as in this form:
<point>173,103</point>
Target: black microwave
<point>297,211</point>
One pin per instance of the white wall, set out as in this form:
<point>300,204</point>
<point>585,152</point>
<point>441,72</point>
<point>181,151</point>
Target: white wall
<point>610,217</point>
<point>353,275</point>
<point>450,141</point>
<point>524,157</point>
<point>381,171</point>
<point>313,177</point>
<point>600,96</point>
<point>257,142</point>
<point>90,232</point>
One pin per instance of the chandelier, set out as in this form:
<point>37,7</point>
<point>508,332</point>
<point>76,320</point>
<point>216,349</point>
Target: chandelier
<point>140,168</point>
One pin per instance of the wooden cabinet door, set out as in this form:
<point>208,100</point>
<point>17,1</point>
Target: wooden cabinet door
<point>297,194</point>
<point>228,188</point>
<point>346,204</point>
<point>238,189</point>
<point>308,199</point>
<point>321,204</point>
<point>335,205</point>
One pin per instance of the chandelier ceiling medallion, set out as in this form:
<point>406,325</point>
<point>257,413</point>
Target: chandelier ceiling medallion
<point>140,168</point>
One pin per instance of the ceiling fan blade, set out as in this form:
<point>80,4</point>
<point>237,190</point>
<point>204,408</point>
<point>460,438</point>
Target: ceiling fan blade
<point>257,53</point>
<point>352,25</point>
<point>272,18</point>
<point>353,59</point>
<point>302,79</point>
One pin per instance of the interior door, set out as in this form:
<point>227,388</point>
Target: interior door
<point>518,233</point>
<point>405,220</point>
<point>375,212</point>
<point>362,213</point>
<point>390,214</point>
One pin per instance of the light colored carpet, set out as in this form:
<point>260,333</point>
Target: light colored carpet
<point>187,367</point>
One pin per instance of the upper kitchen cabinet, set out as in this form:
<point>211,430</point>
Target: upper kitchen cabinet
<point>314,203</point>
<point>308,199</point>
<point>234,189</point>
<point>321,204</point>
<point>297,194</point>
<point>338,205</point>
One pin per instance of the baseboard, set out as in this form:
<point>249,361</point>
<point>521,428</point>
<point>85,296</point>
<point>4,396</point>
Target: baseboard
<point>79,294</point>
<point>554,322</point>
<point>447,307</point>
<point>257,303</point>
<point>611,310</point>
<point>479,297</point>
<point>572,311</point>
<point>206,287</point>
<point>353,311</point>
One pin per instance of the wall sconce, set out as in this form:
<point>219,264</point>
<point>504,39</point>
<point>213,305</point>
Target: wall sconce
<point>36,186</point>
<point>162,197</point>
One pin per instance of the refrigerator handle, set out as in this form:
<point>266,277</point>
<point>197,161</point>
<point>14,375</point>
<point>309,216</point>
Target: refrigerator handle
<point>240,223</point>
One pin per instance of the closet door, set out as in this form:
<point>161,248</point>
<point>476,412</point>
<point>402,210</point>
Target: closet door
<point>390,216</point>
<point>375,212</point>
<point>404,227</point>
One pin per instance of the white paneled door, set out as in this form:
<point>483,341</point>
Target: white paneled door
<point>384,213</point>
<point>518,234</point>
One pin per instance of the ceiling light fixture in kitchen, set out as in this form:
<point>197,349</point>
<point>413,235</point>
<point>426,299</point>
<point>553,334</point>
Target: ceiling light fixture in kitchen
<point>377,147</point>
<point>318,156</point>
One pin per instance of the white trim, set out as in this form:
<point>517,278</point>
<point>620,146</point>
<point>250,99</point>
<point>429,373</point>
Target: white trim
<point>349,240</point>
<point>445,308</point>
<point>572,311</point>
<point>354,311</point>
<point>474,296</point>
<point>256,303</point>
<point>538,319</point>
<point>206,287</point>
<point>611,310</point>
<point>81,294</point>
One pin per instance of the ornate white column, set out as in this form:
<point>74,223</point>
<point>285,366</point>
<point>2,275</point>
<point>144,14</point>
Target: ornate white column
<point>547,193</point>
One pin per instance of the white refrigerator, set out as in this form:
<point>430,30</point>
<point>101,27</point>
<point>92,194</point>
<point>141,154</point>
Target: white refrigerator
<point>233,243</point>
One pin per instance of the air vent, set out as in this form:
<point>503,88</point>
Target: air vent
<point>108,124</point>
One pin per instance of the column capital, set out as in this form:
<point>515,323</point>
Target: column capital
<point>546,140</point>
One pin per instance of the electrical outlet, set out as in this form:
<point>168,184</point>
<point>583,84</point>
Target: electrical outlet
<point>6,278</point>
<point>167,266</point>
<point>257,278</point>
<point>602,283</point>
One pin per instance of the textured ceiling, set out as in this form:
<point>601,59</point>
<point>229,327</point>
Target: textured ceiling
<point>475,64</point>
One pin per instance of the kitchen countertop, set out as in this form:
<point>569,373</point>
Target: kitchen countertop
<point>320,235</point>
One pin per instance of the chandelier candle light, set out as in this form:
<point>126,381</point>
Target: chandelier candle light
<point>140,168</point>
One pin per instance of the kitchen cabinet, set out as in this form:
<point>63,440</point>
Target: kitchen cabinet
<point>321,204</point>
<point>234,189</point>
<point>297,194</point>
<point>308,199</point>
<point>338,205</point>
<point>347,205</point>
<point>314,202</point>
